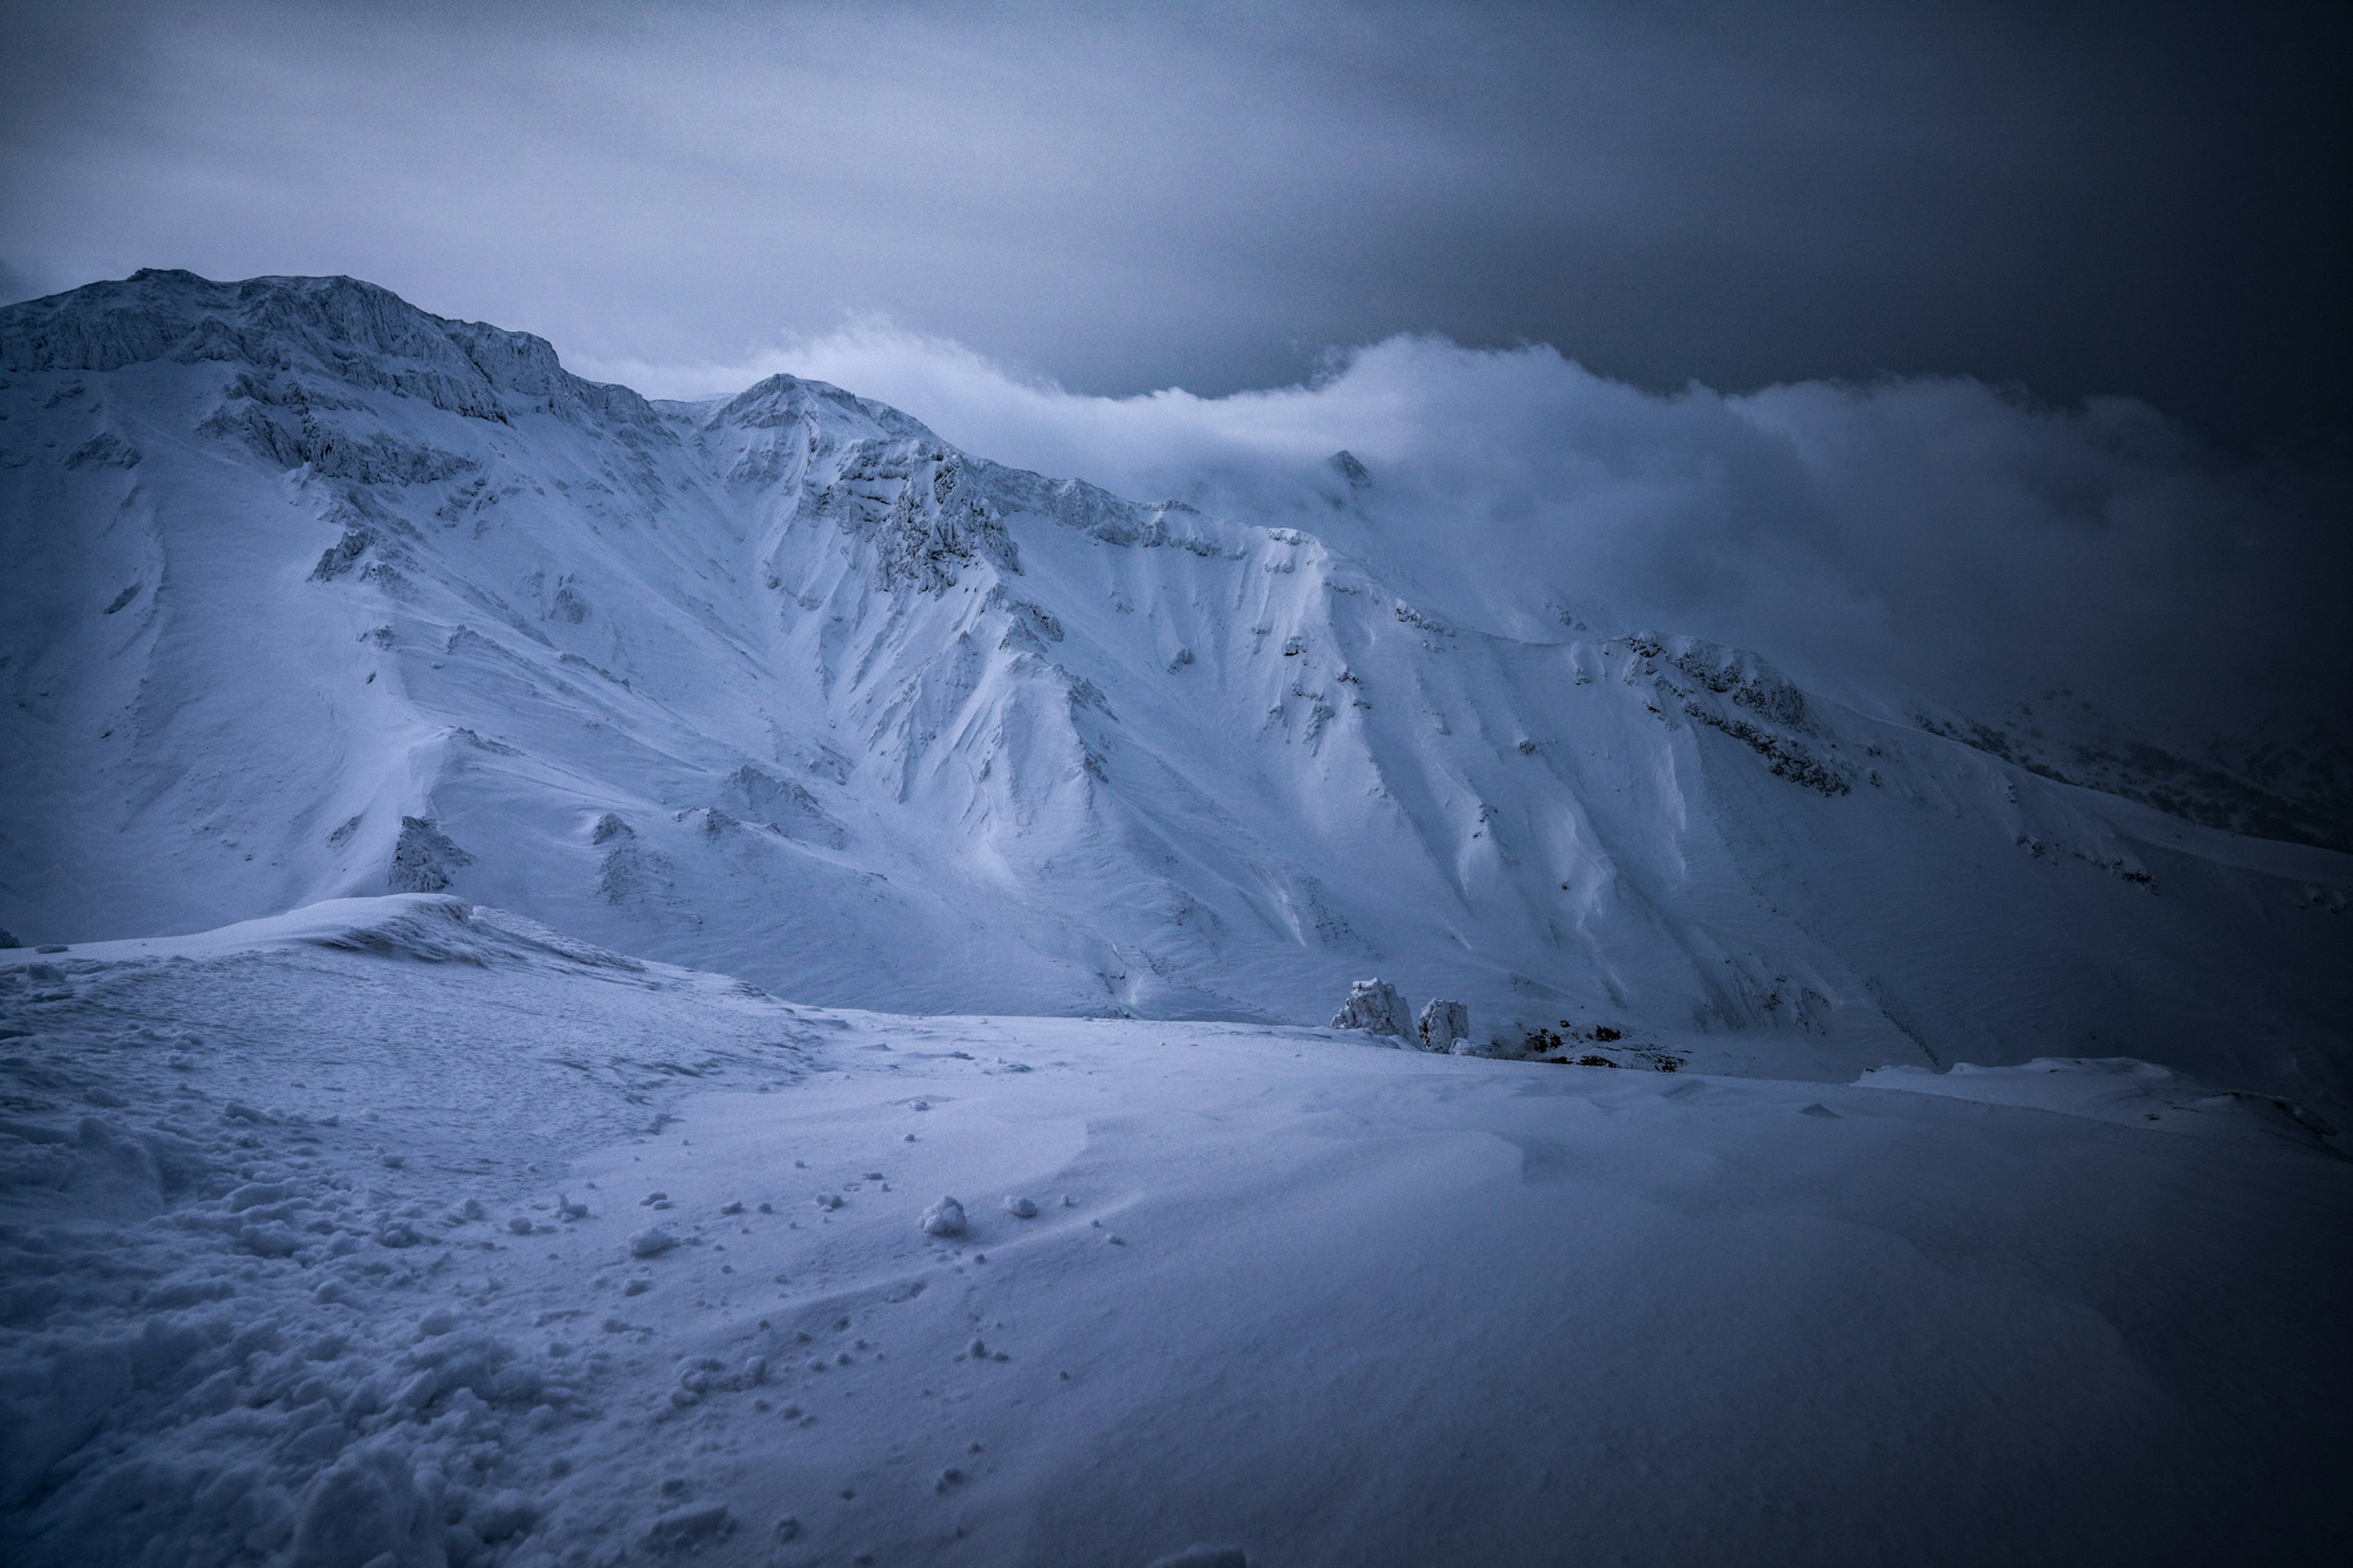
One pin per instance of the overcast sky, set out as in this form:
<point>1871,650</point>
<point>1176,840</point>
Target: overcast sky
<point>2134,199</point>
<point>1488,248</point>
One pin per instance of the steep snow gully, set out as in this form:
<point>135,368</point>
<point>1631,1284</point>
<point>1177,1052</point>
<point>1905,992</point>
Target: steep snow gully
<point>476,1202</point>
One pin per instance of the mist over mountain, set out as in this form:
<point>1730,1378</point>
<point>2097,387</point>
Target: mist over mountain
<point>1891,538</point>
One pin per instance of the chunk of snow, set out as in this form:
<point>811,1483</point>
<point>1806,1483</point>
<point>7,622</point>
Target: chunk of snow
<point>944,1217</point>
<point>1204,1557</point>
<point>371,1505</point>
<point>689,1526</point>
<point>651,1242</point>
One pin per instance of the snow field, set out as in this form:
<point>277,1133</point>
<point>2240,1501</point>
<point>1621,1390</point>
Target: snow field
<point>1369,1306</point>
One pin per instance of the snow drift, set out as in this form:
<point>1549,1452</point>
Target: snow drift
<point>390,1227</point>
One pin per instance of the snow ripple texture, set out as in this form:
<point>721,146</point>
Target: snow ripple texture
<point>403,1231</point>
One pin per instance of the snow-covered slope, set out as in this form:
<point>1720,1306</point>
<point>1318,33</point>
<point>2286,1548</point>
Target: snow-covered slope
<point>402,1232</point>
<point>313,594</point>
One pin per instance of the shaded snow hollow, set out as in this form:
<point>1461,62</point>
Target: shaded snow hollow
<point>308,1254</point>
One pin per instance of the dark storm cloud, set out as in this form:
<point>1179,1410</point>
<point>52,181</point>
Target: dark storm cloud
<point>2135,200</point>
<point>1929,235</point>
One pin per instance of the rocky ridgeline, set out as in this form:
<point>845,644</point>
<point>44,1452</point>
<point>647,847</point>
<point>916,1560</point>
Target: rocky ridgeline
<point>1745,698</point>
<point>354,332</point>
<point>1374,1008</point>
<point>927,520</point>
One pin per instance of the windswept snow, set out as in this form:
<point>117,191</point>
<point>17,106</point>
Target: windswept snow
<point>325,1239</point>
<point>315,595</point>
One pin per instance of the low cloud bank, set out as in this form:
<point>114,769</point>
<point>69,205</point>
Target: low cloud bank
<point>1931,534</point>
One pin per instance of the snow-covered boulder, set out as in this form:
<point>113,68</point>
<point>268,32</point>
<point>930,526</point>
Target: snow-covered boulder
<point>1442,1023</point>
<point>1375,1006</point>
<point>652,1241</point>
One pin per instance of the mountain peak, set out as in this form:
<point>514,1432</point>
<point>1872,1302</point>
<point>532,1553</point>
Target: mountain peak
<point>781,399</point>
<point>347,328</point>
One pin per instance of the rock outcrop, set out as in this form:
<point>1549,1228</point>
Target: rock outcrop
<point>1442,1023</point>
<point>423,859</point>
<point>1375,1006</point>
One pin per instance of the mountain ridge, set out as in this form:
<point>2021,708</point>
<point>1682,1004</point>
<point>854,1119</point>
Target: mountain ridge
<point>330,595</point>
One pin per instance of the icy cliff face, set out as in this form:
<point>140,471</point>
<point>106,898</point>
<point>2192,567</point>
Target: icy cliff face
<point>313,593</point>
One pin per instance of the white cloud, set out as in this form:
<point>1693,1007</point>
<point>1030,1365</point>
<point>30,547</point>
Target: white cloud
<point>1925,533</point>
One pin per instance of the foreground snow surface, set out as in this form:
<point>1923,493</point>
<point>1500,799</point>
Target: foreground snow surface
<point>334,1238</point>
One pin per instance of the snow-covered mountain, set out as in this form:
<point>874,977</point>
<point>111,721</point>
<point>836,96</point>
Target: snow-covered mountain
<point>311,593</point>
<point>468,1220</point>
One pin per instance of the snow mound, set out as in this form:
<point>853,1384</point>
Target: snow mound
<point>427,928</point>
<point>2121,1090</point>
